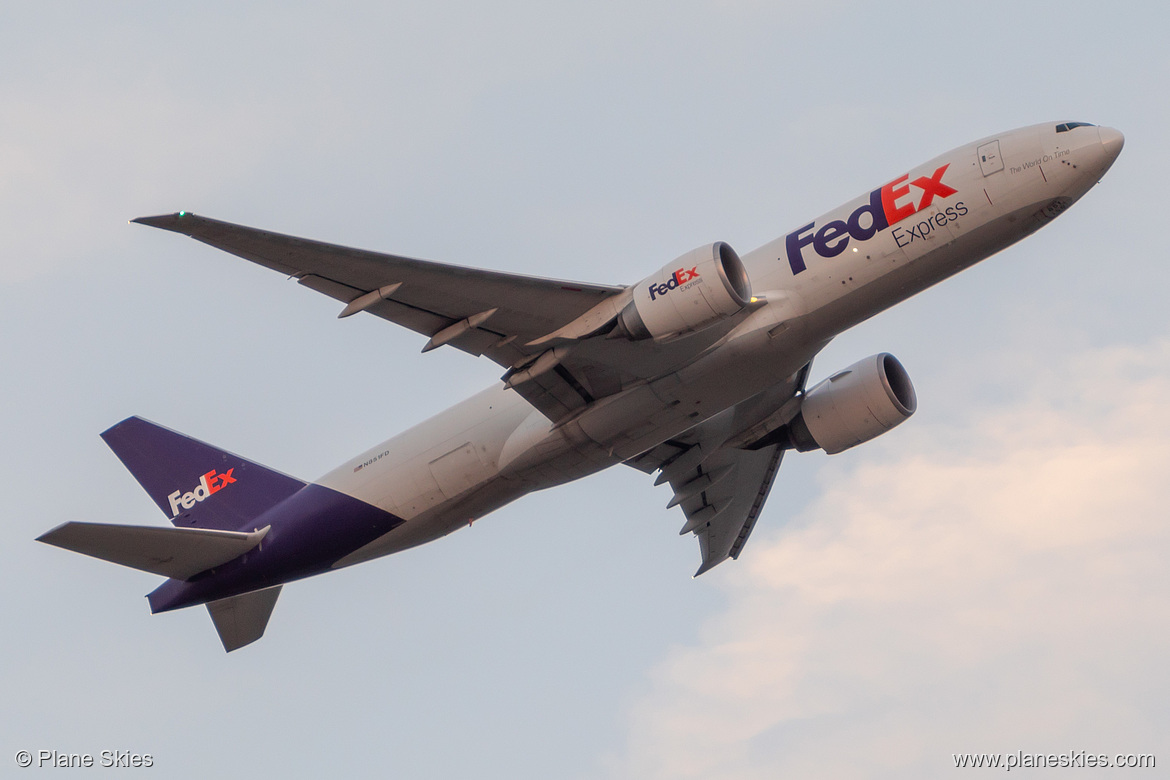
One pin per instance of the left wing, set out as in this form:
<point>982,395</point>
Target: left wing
<point>543,331</point>
<point>518,321</point>
<point>719,478</point>
<point>481,312</point>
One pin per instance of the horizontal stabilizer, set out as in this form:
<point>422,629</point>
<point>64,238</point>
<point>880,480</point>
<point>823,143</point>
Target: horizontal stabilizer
<point>241,620</point>
<point>179,553</point>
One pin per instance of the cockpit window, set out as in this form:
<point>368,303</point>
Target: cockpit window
<point>1070,125</point>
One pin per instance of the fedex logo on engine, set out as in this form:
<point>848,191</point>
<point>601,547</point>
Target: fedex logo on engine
<point>209,483</point>
<point>888,205</point>
<point>677,279</point>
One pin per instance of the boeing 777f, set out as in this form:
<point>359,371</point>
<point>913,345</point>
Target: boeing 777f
<point>698,372</point>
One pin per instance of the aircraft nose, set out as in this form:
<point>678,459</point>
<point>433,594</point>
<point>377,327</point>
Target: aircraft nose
<point>1111,141</point>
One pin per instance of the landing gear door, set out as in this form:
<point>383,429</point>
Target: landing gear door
<point>989,160</point>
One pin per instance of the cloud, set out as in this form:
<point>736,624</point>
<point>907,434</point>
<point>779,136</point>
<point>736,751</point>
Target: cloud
<point>1007,591</point>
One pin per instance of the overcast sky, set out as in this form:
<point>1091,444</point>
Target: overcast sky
<point>990,577</point>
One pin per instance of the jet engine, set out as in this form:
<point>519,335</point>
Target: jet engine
<point>700,288</point>
<point>853,406</point>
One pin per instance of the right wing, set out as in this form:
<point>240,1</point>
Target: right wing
<point>727,512</point>
<point>719,474</point>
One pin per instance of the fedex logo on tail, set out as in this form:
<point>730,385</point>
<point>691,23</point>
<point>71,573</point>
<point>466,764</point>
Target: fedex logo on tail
<point>888,205</point>
<point>209,483</point>
<point>677,279</point>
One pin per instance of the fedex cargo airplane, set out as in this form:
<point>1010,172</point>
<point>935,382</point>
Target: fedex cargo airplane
<point>698,372</point>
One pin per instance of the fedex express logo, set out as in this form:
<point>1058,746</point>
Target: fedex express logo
<point>677,279</point>
<point>209,483</point>
<point>888,205</point>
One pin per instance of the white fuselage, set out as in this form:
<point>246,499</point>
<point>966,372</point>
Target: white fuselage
<point>822,278</point>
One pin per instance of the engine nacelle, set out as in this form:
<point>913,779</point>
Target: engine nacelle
<point>853,406</point>
<point>700,288</point>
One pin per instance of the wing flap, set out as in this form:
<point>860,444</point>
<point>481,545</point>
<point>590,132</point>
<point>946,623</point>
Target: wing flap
<point>419,320</point>
<point>326,286</point>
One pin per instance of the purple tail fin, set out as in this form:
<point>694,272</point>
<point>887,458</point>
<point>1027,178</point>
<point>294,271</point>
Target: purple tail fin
<point>194,484</point>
